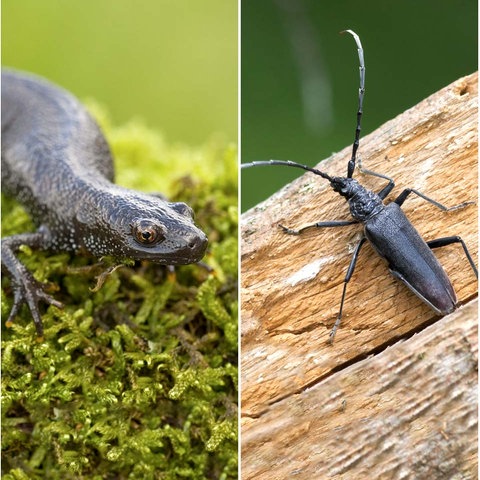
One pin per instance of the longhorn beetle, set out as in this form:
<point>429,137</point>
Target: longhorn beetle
<point>393,237</point>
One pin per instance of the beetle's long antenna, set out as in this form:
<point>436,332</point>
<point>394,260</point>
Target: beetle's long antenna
<point>361,93</point>
<point>286,163</point>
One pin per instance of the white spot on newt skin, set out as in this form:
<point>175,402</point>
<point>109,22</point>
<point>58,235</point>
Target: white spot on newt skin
<point>308,271</point>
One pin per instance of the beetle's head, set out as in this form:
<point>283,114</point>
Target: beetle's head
<point>346,187</point>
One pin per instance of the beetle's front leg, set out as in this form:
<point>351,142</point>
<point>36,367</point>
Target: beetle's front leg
<point>385,190</point>
<point>333,223</point>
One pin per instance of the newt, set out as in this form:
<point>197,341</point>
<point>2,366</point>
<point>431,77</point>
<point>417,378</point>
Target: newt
<point>57,163</point>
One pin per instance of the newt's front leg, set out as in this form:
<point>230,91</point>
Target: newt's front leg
<point>25,288</point>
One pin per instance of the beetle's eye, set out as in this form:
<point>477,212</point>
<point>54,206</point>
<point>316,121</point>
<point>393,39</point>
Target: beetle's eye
<point>147,233</point>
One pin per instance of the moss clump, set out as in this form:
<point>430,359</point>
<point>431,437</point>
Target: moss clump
<point>137,379</point>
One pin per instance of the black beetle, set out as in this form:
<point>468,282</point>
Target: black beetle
<point>391,234</point>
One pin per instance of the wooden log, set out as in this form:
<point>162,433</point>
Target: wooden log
<point>409,412</point>
<point>291,285</point>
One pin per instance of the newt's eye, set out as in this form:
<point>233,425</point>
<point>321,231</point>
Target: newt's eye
<point>147,233</point>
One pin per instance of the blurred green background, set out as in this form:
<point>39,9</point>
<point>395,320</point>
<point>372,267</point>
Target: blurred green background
<point>300,77</point>
<point>171,63</point>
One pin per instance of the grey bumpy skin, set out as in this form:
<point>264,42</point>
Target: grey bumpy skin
<point>57,164</point>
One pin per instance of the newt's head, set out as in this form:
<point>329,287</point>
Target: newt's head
<point>171,238</point>
<point>134,225</point>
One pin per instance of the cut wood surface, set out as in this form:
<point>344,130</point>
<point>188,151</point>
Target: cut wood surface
<point>409,412</point>
<point>291,290</point>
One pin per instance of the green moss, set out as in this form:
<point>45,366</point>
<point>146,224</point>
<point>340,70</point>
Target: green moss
<point>137,379</point>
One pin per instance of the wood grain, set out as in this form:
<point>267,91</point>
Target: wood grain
<point>291,286</point>
<point>409,412</point>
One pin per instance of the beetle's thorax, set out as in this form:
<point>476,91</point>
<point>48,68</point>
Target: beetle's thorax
<point>364,204</point>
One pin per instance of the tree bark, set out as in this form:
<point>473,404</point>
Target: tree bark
<point>315,410</point>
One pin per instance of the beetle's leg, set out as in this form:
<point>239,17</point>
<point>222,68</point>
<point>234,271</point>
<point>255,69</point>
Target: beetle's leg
<point>442,242</point>
<point>349,274</point>
<point>333,223</point>
<point>385,190</point>
<point>403,196</point>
